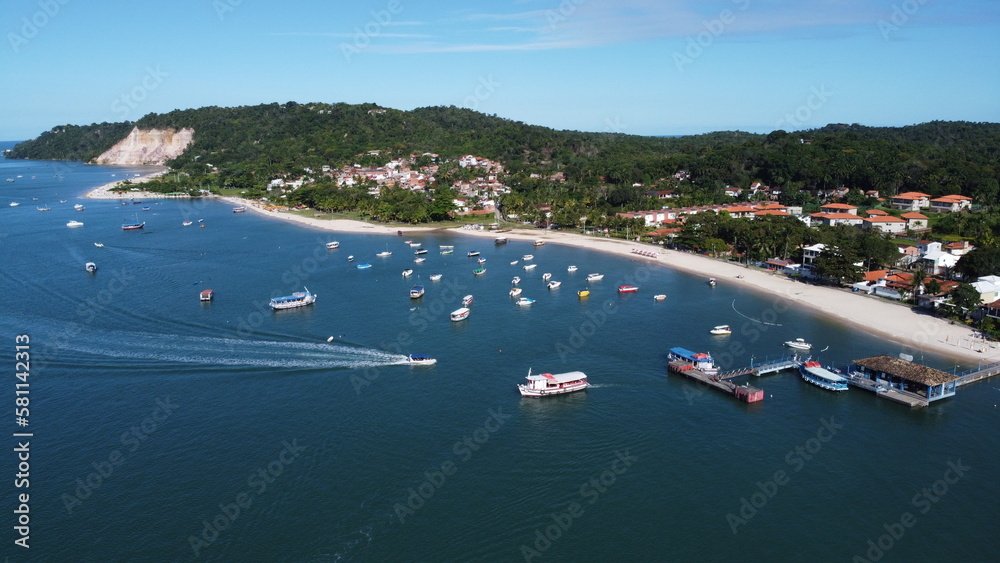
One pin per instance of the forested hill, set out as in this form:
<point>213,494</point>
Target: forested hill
<point>252,144</point>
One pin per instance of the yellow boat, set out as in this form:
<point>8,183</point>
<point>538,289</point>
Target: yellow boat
<point>584,293</point>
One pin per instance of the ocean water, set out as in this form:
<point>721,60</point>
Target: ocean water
<point>166,429</point>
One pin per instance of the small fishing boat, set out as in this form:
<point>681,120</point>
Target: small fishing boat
<point>473,253</point>
<point>435,277</point>
<point>527,257</point>
<point>659,297</point>
<point>407,273</point>
<point>583,293</point>
<point>554,284</point>
<point>332,245</point>
<point>90,267</point>
<point>460,314</point>
<point>420,360</point>
<point>297,299</point>
<point>571,269</point>
<point>798,344</point>
<point>516,280</point>
<point>74,224</point>
<point>207,295</point>
<point>416,292</point>
<point>515,292</point>
<point>530,267</point>
<point>479,271</point>
<point>627,289</point>
<point>595,277</point>
<point>187,223</point>
<point>721,330</point>
<point>364,266</point>
<point>546,276</point>
<point>525,301</point>
<point>467,300</point>
<point>553,384</point>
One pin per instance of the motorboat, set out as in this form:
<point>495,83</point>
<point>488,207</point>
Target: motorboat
<point>79,207</point>
<point>515,292</point>
<point>187,223</point>
<point>659,297</point>
<point>546,276</point>
<point>798,344</point>
<point>516,280</point>
<point>460,314</point>
<point>74,224</point>
<point>407,273</point>
<point>435,277</point>
<point>420,360</point>
<point>207,295</point>
<point>479,271</point>
<point>538,242</point>
<point>527,257</point>
<point>364,266</point>
<point>711,282</point>
<point>473,253</point>
<point>350,258</point>
<point>384,254</point>
<point>530,267</point>
<point>500,240</point>
<point>332,245</point>
<point>481,260</point>
<point>627,289</point>
<point>513,262</point>
<point>546,384</point>
<point>419,252</point>
<point>686,359</point>
<point>721,329</point>
<point>554,284</point>
<point>297,299</point>
<point>571,269</point>
<point>240,209</point>
<point>99,244</point>
<point>14,204</point>
<point>815,373</point>
<point>419,260</point>
<point>414,244</point>
<point>595,277</point>
<point>90,267</point>
<point>416,292</point>
<point>583,293</point>
<point>467,300</point>
<point>525,301</point>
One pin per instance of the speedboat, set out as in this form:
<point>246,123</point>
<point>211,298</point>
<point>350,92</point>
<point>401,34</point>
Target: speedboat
<point>527,257</point>
<point>554,284</point>
<point>350,258</point>
<point>524,301</point>
<point>332,245</point>
<point>414,244</point>
<point>207,295</point>
<point>553,384</point>
<point>546,276</point>
<point>240,209</point>
<point>473,253</point>
<point>384,254</point>
<point>419,252</point>
<point>407,273</point>
<point>516,280</point>
<point>530,267</point>
<point>79,207</point>
<point>364,266</point>
<point>187,223</point>
<point>721,329</point>
<point>91,267</point>
<point>467,300</point>
<point>515,292</point>
<point>435,277</point>
<point>513,262</point>
<point>419,260</point>
<point>481,260</point>
<point>460,314</point>
<point>595,277</point>
<point>627,289</point>
<point>571,269</point>
<point>538,242</point>
<point>416,292</point>
<point>74,224</point>
<point>14,204</point>
<point>798,344</point>
<point>659,297</point>
<point>420,360</point>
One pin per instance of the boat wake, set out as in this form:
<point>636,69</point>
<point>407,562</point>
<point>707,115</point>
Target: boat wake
<point>753,319</point>
<point>175,349</point>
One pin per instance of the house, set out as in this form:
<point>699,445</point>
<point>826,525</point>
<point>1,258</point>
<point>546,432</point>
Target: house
<point>885,224</point>
<point>785,266</point>
<point>951,204</point>
<point>740,211</point>
<point>938,262</point>
<point>908,254</point>
<point>887,283</point>
<point>915,221</point>
<point>775,212</point>
<point>876,213</point>
<point>872,193</point>
<point>834,208</point>
<point>834,219</point>
<point>935,300</point>
<point>899,374</point>
<point>960,248</point>
<point>988,288</point>
<point>809,254</point>
<point>991,309</point>
<point>911,201</point>
<point>733,192</point>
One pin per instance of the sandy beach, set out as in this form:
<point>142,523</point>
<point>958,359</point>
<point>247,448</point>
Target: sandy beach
<point>875,316</point>
<point>104,191</point>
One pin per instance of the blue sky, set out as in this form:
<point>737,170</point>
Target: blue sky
<point>632,66</point>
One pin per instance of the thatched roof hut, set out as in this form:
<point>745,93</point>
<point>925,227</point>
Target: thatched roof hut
<point>906,370</point>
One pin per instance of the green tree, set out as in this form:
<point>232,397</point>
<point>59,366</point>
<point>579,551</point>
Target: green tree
<point>965,298</point>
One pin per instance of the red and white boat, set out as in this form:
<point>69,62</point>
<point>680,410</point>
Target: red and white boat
<point>553,384</point>
<point>627,289</point>
<point>207,295</point>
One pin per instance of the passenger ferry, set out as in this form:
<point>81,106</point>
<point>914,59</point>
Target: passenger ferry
<point>815,373</point>
<point>553,384</point>
<point>297,299</point>
<point>207,295</point>
<point>695,360</point>
<point>460,314</point>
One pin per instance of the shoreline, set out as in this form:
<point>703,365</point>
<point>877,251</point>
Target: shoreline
<point>871,315</point>
<point>104,190</point>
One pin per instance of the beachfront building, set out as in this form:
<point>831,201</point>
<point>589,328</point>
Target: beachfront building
<point>809,255</point>
<point>928,383</point>
<point>937,261</point>
<point>988,288</point>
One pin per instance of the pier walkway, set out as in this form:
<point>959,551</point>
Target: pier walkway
<point>978,374</point>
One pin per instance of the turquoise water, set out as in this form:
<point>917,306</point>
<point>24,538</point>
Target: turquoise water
<point>225,431</point>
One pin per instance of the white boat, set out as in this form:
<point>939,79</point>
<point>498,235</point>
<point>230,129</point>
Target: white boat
<point>711,282</point>
<point>419,260</point>
<point>659,297</point>
<point>187,223</point>
<point>481,260</point>
<point>14,204</point>
<point>547,384</point>
<point>500,240</point>
<point>513,262</point>
<point>416,292</point>
<point>721,329</point>
<point>43,208</point>
<point>420,360</point>
<point>798,344</point>
<point>525,301</point>
<point>407,273</point>
<point>538,242</point>
<point>815,373</point>
<point>99,244</point>
<point>419,252</point>
<point>384,254</point>
<point>571,269</point>
<point>527,257</point>
<point>595,277</point>
<point>297,299</point>
<point>516,280</point>
<point>91,267</point>
<point>473,253</point>
<point>435,277</point>
<point>332,245</point>
<point>460,314</point>
<point>350,258</point>
<point>530,267</point>
<point>546,276</point>
<point>74,224</point>
<point>515,292</point>
<point>414,244</point>
<point>467,300</point>
<point>79,207</point>
<point>554,284</point>
<point>240,209</point>
<point>479,271</point>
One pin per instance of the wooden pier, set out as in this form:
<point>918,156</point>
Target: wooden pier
<point>882,391</point>
<point>745,393</point>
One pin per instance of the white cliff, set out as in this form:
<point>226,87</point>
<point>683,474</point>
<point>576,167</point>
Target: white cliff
<point>151,146</point>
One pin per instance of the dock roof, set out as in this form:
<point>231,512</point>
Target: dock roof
<point>906,370</point>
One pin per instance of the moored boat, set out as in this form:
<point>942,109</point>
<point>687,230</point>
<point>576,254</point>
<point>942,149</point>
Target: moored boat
<point>467,300</point>
<point>538,242</point>
<point>515,292</point>
<point>332,245</point>
<point>14,204</point>
<point>692,360</point>
<point>530,267</point>
<point>479,271</point>
<point>513,262</point>
<point>460,314</point>
<point>435,277</point>
<point>99,244</point>
<point>207,295</point>
<point>627,289</point>
<point>527,257</point>
<point>571,269</point>
<point>79,207</point>
<point>583,293</point>
<point>133,226</point>
<point>187,223</point>
<point>525,301</point>
<point>74,224</point>
<point>815,373</point>
<point>364,266</point>
<point>711,282</point>
<point>659,297</point>
<point>554,284</point>
<point>516,280</point>
<point>90,267</point>
<point>407,273</point>
<point>240,209</point>
<point>420,260</point>
<point>721,329</point>
<point>473,253</point>
<point>595,277</point>
<point>419,252</point>
<point>547,384</point>
<point>546,276</point>
<point>798,344</point>
<point>416,292</point>
<point>384,254</point>
<point>500,240</point>
<point>297,299</point>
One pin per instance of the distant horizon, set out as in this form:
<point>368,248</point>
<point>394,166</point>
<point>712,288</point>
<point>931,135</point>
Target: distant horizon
<point>633,66</point>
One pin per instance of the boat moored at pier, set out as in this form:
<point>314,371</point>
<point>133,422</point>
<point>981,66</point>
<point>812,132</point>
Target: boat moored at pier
<point>815,373</point>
